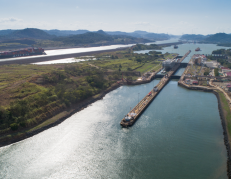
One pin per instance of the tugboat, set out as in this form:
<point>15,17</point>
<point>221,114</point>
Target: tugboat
<point>175,46</point>
<point>197,49</point>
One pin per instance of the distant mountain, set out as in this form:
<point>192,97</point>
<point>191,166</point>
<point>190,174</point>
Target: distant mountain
<point>143,34</point>
<point>14,39</point>
<point>140,32</point>
<point>99,37</point>
<point>6,32</point>
<point>101,32</point>
<point>65,32</point>
<point>218,38</point>
<point>29,33</point>
<point>193,37</point>
<point>89,37</point>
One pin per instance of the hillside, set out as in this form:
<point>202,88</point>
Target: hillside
<point>65,32</point>
<point>193,37</point>
<point>218,38</point>
<point>6,32</point>
<point>16,39</point>
<point>142,34</point>
<point>29,33</point>
<point>99,37</point>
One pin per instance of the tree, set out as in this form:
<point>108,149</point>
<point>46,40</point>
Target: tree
<point>14,126</point>
<point>216,73</point>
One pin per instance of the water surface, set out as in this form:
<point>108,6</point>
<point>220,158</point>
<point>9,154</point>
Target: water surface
<point>179,136</point>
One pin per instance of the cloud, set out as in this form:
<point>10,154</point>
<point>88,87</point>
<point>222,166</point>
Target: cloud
<point>11,19</point>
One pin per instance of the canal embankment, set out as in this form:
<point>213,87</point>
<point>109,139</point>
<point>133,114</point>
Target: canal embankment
<point>225,113</point>
<point>224,108</point>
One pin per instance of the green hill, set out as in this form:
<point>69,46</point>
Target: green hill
<point>29,33</point>
<point>36,37</point>
<point>218,38</point>
<point>193,37</point>
<point>99,37</point>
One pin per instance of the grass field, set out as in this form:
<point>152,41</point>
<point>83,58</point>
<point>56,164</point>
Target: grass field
<point>130,63</point>
<point>227,111</point>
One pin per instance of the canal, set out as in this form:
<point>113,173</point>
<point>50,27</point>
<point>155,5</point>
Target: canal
<point>178,136</point>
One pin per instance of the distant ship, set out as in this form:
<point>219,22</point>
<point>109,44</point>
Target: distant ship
<point>175,46</point>
<point>197,49</point>
<point>23,52</point>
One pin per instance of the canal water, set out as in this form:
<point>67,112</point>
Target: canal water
<point>183,48</point>
<point>179,136</point>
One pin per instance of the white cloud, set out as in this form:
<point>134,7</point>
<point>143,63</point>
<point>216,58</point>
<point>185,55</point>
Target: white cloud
<point>11,19</point>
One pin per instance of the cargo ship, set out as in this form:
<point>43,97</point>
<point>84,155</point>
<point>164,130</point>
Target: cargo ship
<point>23,52</point>
<point>197,49</point>
<point>175,46</point>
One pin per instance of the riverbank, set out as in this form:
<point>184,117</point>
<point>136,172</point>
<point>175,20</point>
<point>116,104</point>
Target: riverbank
<point>59,118</point>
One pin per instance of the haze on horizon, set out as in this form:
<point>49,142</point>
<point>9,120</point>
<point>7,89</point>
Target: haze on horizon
<point>158,16</point>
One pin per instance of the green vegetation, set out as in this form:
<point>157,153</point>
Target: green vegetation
<point>218,38</point>
<point>193,37</point>
<point>222,39</point>
<point>220,51</point>
<point>29,33</point>
<point>39,92</point>
<point>146,47</point>
<point>131,62</point>
<point>227,112</point>
<point>216,72</point>
<point>222,60</point>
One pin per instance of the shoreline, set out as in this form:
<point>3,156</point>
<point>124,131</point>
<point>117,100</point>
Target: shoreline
<point>74,109</point>
<point>223,122</point>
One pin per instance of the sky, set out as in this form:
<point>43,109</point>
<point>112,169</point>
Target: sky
<point>176,17</point>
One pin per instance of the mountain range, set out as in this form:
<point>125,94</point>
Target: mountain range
<point>44,34</point>
<point>22,38</point>
<point>219,38</point>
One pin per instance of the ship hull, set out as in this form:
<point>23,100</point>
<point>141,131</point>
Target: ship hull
<point>21,55</point>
